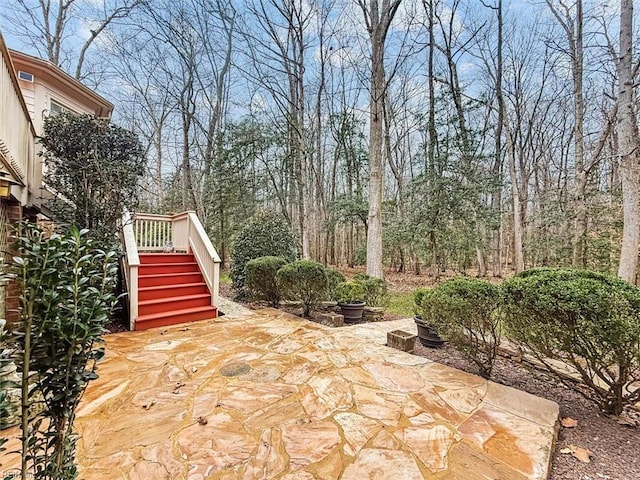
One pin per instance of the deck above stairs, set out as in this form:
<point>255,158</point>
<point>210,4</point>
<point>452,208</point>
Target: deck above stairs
<point>168,288</point>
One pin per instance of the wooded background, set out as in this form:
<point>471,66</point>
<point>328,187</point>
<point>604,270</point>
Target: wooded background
<point>491,135</point>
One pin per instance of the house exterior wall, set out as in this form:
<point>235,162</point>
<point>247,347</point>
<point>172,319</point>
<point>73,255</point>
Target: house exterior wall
<point>51,84</point>
<point>47,85</point>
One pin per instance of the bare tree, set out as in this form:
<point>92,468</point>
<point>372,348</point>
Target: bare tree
<point>377,19</point>
<point>45,25</point>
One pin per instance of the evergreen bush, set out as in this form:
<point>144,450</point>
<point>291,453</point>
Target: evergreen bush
<point>350,292</point>
<point>464,311</point>
<point>334,278</point>
<point>266,234</point>
<point>304,280</point>
<point>375,290</point>
<point>95,168</point>
<point>260,279</point>
<point>7,407</point>
<point>66,289</point>
<point>418,297</point>
<point>588,320</point>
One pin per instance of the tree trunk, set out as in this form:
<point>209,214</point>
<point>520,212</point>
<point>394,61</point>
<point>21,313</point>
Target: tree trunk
<point>377,19</point>
<point>628,145</point>
<point>374,236</point>
<point>496,170</point>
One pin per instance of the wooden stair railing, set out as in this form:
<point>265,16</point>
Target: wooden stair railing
<point>169,263</point>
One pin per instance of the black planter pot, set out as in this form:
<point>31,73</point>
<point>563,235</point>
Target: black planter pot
<point>427,334</point>
<point>352,312</point>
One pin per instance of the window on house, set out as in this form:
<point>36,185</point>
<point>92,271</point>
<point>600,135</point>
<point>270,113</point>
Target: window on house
<point>56,107</point>
<point>26,76</point>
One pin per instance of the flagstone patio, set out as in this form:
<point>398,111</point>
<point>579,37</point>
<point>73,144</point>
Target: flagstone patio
<point>264,394</point>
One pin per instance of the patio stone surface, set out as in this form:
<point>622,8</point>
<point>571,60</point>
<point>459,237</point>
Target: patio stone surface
<point>264,394</point>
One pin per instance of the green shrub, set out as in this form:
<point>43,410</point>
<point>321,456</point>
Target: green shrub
<point>334,278</point>
<point>464,311</point>
<point>260,278</point>
<point>350,292</point>
<point>588,320</point>
<point>375,290</point>
<point>66,289</point>
<point>305,281</point>
<point>418,297</point>
<point>7,408</point>
<point>267,234</point>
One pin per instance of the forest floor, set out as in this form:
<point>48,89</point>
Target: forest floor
<point>613,444</point>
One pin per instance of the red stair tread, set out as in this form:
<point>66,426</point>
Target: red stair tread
<point>169,279</point>
<point>173,299</point>
<point>174,317</point>
<point>170,286</point>
<point>153,258</point>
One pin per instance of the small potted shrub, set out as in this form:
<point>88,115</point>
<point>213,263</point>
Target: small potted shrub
<point>427,334</point>
<point>350,295</point>
<point>375,290</point>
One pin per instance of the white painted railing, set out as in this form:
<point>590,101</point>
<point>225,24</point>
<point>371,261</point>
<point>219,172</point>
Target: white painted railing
<point>206,256</point>
<point>153,232</point>
<point>182,232</point>
<point>131,263</point>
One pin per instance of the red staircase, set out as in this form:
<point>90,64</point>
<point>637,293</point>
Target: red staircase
<point>171,290</point>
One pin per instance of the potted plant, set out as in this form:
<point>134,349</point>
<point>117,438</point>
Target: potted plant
<point>427,334</point>
<point>350,295</point>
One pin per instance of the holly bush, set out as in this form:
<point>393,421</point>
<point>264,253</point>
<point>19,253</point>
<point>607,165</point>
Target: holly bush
<point>267,234</point>
<point>375,290</point>
<point>66,286</point>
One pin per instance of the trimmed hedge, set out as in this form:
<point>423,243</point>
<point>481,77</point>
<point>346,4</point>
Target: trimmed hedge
<point>304,280</point>
<point>260,279</point>
<point>464,311</point>
<point>586,319</point>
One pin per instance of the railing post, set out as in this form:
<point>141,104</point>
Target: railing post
<point>133,297</point>
<point>132,262</point>
<point>216,284</point>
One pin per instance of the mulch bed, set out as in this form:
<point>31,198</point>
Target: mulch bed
<point>615,448</point>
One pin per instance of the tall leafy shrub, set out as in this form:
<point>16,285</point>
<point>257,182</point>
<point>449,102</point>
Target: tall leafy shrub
<point>304,280</point>
<point>66,286</point>
<point>260,278</point>
<point>588,320</point>
<point>464,311</point>
<point>94,167</point>
<point>267,234</point>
